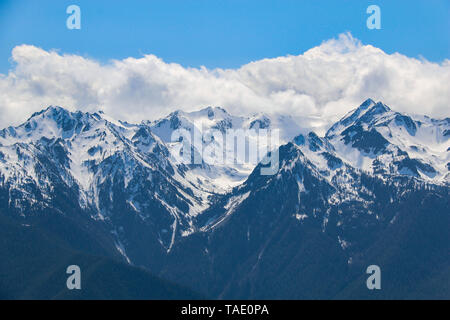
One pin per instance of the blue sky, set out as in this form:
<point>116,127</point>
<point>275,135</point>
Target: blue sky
<point>220,33</point>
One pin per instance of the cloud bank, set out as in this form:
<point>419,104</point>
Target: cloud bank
<point>322,84</point>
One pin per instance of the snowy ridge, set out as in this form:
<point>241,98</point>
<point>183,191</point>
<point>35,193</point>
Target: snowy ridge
<point>381,141</point>
<point>220,177</point>
<point>93,157</point>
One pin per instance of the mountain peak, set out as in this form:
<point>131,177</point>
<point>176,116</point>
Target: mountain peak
<point>368,109</point>
<point>50,111</point>
<point>53,121</point>
<point>211,113</point>
<point>380,107</point>
<point>367,104</point>
<point>364,113</point>
<point>58,114</point>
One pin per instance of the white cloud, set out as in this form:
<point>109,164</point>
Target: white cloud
<point>323,83</point>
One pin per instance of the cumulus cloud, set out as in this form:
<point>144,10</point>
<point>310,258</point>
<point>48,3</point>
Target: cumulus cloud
<point>319,85</point>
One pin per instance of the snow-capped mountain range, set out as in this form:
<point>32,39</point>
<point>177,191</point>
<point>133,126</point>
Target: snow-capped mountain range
<point>88,151</point>
<point>154,210</point>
